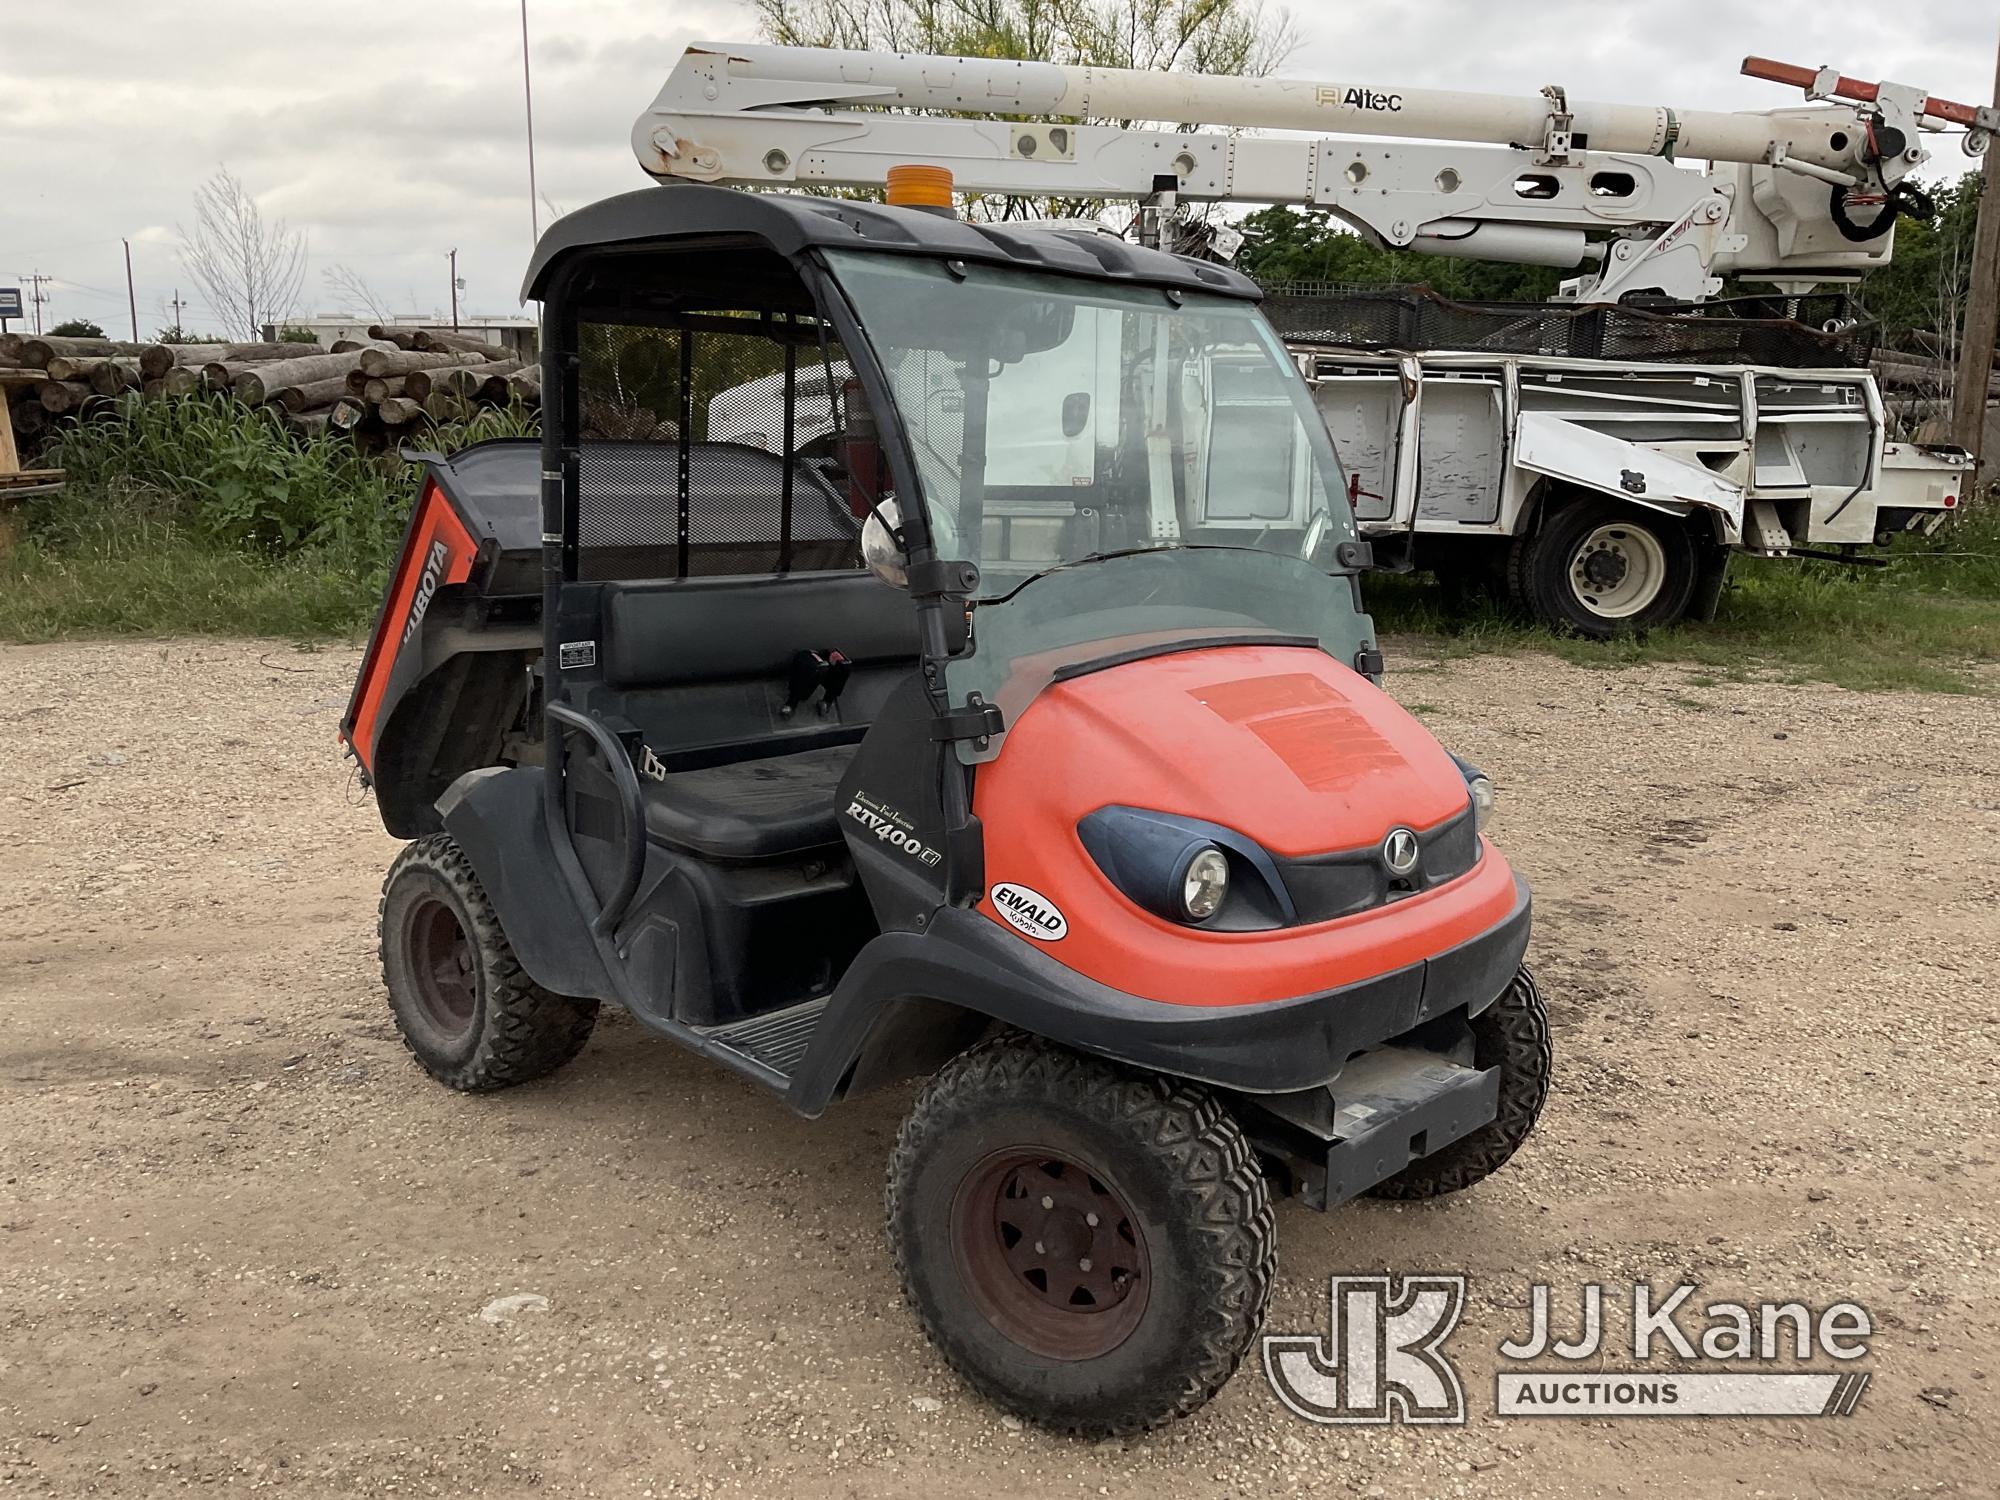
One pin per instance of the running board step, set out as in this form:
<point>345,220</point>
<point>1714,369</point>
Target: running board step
<point>775,1042</point>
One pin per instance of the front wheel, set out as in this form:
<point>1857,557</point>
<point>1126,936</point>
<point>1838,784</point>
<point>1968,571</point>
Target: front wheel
<point>1091,1247</point>
<point>1600,569</point>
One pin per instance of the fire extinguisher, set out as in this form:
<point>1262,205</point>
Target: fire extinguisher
<point>861,450</point>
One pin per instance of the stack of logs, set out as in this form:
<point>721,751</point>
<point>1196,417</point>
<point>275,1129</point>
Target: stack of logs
<point>376,390</point>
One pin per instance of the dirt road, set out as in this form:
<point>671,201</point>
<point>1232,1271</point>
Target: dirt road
<point>245,1243</point>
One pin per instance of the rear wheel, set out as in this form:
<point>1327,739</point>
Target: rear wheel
<point>1511,1034</point>
<point>1597,568</point>
<point>465,1008</point>
<point>1090,1247</point>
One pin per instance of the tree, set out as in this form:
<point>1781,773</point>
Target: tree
<point>1237,37</point>
<point>1284,244</point>
<point>249,270</point>
<point>76,328</point>
<point>354,291</point>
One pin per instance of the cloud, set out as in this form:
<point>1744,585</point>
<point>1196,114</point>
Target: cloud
<point>397,135</point>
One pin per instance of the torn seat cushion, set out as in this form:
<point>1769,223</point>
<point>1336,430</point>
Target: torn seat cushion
<point>750,809</point>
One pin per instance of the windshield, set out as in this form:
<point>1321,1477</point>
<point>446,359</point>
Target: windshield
<point>1133,473</point>
<point>1054,419</point>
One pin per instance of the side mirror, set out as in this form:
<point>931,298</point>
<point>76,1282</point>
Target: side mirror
<point>880,549</point>
<point>1075,413</point>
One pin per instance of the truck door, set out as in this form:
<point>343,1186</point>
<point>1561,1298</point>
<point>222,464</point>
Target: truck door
<point>1370,408</point>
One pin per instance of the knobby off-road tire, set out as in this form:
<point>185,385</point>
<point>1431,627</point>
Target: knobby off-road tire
<point>1511,1034</point>
<point>466,1010</point>
<point>1599,569</point>
<point>1183,1248</point>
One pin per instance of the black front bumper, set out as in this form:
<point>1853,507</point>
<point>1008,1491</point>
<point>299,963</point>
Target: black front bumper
<point>1279,1047</point>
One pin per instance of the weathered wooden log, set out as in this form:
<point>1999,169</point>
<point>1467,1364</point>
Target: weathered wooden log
<point>10,350</point>
<point>112,376</point>
<point>181,380</point>
<point>525,385</point>
<point>347,413</point>
<point>37,352</point>
<point>196,354</point>
<point>308,424</point>
<point>438,339</point>
<point>402,362</point>
<point>259,383</point>
<point>380,388</point>
<point>355,346</point>
<point>311,394</point>
<point>73,366</point>
<point>399,411</point>
<point>155,360</point>
<point>467,382</point>
<point>153,390</point>
<point>243,354</point>
<point>60,396</point>
<point>493,381</point>
<point>421,383</point>
<point>402,338</point>
<point>441,406</point>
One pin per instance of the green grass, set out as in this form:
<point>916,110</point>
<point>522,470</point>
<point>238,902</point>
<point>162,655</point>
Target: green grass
<point>199,517</point>
<point>1924,622</point>
<point>152,581</point>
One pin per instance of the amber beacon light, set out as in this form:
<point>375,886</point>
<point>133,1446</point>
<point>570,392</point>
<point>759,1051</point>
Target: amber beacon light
<point>916,186</point>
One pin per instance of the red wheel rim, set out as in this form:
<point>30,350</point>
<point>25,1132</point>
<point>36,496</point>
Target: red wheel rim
<point>441,965</point>
<point>1050,1253</point>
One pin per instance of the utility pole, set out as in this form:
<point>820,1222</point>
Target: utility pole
<point>131,299</point>
<point>177,305</point>
<point>36,295</point>
<point>1982,308</point>
<point>528,100</point>
<point>453,258</point>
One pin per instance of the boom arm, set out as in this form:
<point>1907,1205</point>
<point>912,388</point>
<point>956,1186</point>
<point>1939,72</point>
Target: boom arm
<point>1521,179</point>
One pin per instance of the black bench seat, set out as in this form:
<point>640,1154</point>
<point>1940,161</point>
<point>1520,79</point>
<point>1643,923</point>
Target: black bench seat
<point>750,809</point>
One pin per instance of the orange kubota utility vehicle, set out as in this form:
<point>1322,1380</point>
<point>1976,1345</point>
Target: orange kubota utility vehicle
<point>1000,707</point>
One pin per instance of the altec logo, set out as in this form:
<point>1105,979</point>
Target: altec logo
<point>1359,99</point>
<point>426,587</point>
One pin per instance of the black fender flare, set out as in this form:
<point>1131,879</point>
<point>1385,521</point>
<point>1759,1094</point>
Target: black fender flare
<point>919,993</point>
<point>495,815</point>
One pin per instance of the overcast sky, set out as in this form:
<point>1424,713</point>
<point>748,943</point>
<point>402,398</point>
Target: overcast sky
<point>392,133</point>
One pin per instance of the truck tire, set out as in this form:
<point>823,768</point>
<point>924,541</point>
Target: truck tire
<point>466,1010</point>
<point>1091,1247</point>
<point>1511,1034</point>
<point>1596,568</point>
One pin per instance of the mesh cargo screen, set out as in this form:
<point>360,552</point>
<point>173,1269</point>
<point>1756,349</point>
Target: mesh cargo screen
<point>689,464</point>
<point>1817,331</point>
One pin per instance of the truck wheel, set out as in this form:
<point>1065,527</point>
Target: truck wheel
<point>1090,1247</point>
<point>1511,1034</point>
<point>1600,569</point>
<point>459,997</point>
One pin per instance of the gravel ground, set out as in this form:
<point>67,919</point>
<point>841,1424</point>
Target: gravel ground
<point>244,1242</point>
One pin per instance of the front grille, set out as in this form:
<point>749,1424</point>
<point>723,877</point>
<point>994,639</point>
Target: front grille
<point>1326,886</point>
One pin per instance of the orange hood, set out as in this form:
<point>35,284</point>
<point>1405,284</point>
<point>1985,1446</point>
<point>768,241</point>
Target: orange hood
<point>1283,744</point>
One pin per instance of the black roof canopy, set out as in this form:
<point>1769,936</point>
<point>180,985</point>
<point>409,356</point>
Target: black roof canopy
<point>791,223</point>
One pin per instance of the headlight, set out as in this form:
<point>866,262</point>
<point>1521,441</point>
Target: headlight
<point>1204,884</point>
<point>1186,870</point>
<point>1482,801</point>
<point>1480,788</point>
